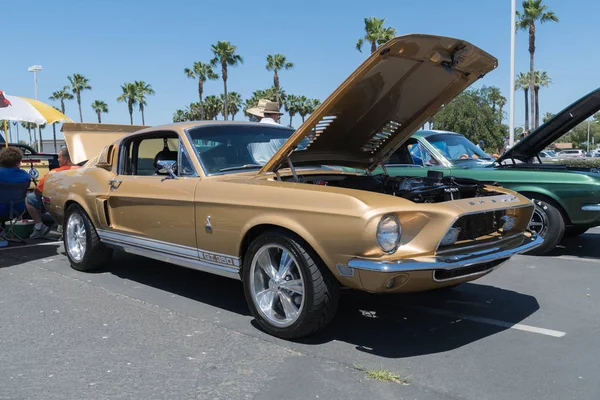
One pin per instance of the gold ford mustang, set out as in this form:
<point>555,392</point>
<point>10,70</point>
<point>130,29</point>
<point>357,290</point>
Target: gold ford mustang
<point>273,207</point>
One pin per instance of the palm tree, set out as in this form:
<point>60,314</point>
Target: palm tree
<point>495,97</point>
<point>5,131</point>
<point>291,106</point>
<point>303,107</point>
<point>62,95</point>
<point>225,55</point>
<point>54,133</point>
<point>143,89</point>
<point>100,107</point>
<point>533,11</point>
<point>213,105</point>
<point>202,72</point>
<point>313,104</point>
<point>540,79</point>
<point>234,102</point>
<point>522,83</point>
<point>276,63</point>
<point>180,116</point>
<point>29,126</point>
<point>79,83</point>
<point>375,34</point>
<point>130,96</point>
<point>547,116</point>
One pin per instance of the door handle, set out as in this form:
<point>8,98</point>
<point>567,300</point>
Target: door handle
<point>114,184</point>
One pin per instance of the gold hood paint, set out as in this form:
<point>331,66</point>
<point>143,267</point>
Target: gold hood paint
<point>384,101</point>
<point>86,141</point>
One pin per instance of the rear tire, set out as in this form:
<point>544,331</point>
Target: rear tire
<point>83,247</point>
<point>548,222</point>
<point>288,302</point>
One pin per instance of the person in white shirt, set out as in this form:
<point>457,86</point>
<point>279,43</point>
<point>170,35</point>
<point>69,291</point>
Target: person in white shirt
<point>271,113</point>
<point>256,113</point>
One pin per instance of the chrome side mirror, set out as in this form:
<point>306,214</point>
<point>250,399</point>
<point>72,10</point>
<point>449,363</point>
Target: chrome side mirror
<point>167,166</point>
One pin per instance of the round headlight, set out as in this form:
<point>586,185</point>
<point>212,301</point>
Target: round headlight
<point>388,233</point>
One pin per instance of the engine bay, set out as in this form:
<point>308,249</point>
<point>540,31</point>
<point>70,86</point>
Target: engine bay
<point>434,188</point>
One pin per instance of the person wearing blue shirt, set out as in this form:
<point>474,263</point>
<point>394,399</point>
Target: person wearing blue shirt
<point>11,172</point>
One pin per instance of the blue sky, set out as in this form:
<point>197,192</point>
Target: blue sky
<point>116,41</point>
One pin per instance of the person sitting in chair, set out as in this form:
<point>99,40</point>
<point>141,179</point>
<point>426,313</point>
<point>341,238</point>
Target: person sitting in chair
<point>34,200</point>
<point>11,172</point>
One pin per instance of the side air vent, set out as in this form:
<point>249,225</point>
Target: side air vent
<point>320,127</point>
<point>379,139</point>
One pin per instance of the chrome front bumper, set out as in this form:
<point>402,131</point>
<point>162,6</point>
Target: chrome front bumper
<point>520,245</point>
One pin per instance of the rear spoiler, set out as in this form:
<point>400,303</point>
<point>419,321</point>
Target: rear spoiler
<point>86,141</point>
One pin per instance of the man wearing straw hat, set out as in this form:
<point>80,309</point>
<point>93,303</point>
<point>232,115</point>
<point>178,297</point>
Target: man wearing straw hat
<point>271,113</point>
<point>256,113</point>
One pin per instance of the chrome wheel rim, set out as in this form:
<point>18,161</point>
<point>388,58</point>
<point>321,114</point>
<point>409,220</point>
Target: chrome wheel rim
<point>75,237</point>
<point>277,285</point>
<point>539,220</point>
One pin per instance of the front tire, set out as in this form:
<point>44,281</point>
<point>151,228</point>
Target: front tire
<point>547,221</point>
<point>289,291</point>
<point>82,244</point>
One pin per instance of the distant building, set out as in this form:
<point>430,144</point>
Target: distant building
<point>561,146</point>
<point>48,145</point>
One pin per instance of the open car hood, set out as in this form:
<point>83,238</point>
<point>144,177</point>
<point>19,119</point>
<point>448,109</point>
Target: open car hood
<point>560,124</point>
<point>86,141</point>
<point>384,101</point>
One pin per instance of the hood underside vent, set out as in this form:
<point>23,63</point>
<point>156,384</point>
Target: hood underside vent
<point>378,140</point>
<point>321,127</point>
<point>383,102</point>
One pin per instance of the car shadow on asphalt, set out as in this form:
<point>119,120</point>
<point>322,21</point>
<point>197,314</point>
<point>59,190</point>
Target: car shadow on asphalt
<point>16,255</point>
<point>406,325</point>
<point>196,285</point>
<point>584,246</point>
<point>394,326</point>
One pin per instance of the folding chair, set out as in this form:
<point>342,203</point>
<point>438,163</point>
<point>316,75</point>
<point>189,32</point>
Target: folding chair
<point>12,194</point>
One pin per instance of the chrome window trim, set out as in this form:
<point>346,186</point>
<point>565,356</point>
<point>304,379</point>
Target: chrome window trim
<point>125,143</point>
<point>183,152</point>
<point>191,142</point>
<point>208,125</point>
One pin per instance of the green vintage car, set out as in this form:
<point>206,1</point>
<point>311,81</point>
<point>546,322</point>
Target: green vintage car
<point>567,199</point>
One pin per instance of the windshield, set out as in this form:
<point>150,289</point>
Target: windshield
<point>458,149</point>
<point>231,148</point>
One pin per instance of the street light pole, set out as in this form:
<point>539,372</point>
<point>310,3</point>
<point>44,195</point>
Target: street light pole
<point>588,139</point>
<point>513,22</point>
<point>35,69</point>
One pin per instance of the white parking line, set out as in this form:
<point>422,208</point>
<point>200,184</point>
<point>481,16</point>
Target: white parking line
<point>574,258</point>
<point>489,321</point>
<point>30,245</point>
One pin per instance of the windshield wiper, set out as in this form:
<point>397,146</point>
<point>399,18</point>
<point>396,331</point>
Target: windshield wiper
<point>245,166</point>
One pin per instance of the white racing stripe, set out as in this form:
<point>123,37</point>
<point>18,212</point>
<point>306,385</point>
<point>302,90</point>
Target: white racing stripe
<point>489,321</point>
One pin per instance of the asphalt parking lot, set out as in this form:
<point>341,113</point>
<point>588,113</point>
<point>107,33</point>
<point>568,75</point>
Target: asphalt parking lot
<point>147,330</point>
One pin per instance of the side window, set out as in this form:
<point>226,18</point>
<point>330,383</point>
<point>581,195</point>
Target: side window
<point>151,150</point>
<point>141,155</point>
<point>415,153</point>
<point>421,156</point>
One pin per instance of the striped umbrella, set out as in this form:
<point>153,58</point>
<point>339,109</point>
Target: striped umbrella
<point>23,109</point>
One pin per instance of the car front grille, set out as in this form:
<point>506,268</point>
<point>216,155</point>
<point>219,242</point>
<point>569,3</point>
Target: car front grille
<point>473,226</point>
